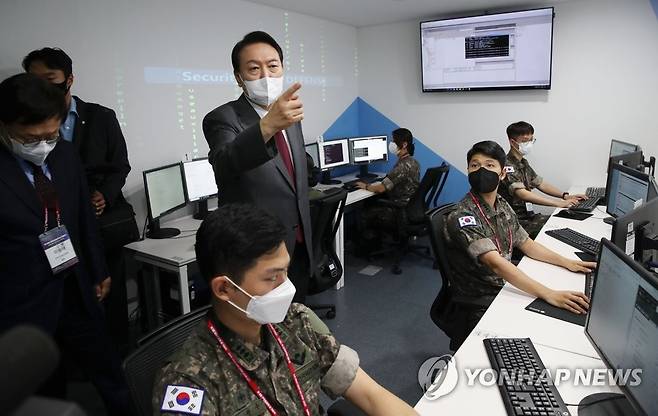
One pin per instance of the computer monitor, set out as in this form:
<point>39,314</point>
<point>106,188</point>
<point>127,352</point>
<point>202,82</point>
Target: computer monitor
<point>312,149</point>
<point>634,232</point>
<point>626,189</point>
<point>333,154</point>
<point>199,184</point>
<point>622,325</point>
<point>617,148</point>
<point>165,193</point>
<point>633,160</point>
<point>366,150</point>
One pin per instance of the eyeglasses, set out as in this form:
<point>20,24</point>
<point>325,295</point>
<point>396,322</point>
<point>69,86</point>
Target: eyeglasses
<point>34,142</point>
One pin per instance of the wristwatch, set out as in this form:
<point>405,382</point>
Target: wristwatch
<point>564,194</point>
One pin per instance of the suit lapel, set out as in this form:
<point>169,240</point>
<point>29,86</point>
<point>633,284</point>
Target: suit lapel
<point>58,168</point>
<point>15,180</point>
<point>248,117</point>
<point>80,123</point>
<point>298,153</point>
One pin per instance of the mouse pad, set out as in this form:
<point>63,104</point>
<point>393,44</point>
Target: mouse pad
<point>585,256</point>
<point>544,308</point>
<point>572,215</point>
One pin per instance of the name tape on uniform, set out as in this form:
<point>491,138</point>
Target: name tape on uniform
<point>182,399</point>
<point>468,220</point>
<point>509,169</point>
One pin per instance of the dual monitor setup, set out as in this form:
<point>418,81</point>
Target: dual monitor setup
<point>171,187</point>
<point>358,151</point>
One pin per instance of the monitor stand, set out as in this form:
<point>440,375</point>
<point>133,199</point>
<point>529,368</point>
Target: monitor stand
<point>201,210</point>
<point>326,178</point>
<point>609,220</point>
<point>364,174</point>
<point>605,404</point>
<point>157,233</point>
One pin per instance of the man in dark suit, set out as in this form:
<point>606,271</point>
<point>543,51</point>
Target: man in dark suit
<point>257,148</point>
<point>95,132</point>
<point>44,198</point>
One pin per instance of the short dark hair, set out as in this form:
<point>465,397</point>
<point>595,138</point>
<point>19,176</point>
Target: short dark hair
<point>249,39</point>
<point>520,128</point>
<point>28,99</point>
<point>233,237</point>
<point>53,58</point>
<point>402,135</point>
<point>488,148</point>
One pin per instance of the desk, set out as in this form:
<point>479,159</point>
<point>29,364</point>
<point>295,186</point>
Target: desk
<point>352,198</point>
<point>173,254</point>
<point>559,343</point>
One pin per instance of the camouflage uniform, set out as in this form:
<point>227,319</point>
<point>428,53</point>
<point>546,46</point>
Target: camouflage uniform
<point>468,236</point>
<point>520,175</point>
<point>320,362</point>
<point>401,183</point>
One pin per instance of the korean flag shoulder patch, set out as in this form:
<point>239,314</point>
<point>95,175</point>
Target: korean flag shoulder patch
<point>509,169</point>
<point>467,220</point>
<point>181,399</point>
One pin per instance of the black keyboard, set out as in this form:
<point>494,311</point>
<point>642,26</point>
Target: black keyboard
<point>587,205</point>
<point>594,192</point>
<point>526,388</point>
<point>576,239</point>
<point>351,185</point>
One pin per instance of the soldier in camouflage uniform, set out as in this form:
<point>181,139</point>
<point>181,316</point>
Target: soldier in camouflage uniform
<point>481,234</point>
<point>398,186</point>
<point>521,179</point>
<point>240,250</point>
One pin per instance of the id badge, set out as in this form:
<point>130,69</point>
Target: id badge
<point>529,208</point>
<point>59,249</point>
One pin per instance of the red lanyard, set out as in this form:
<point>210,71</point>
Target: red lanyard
<point>59,218</point>
<point>252,384</point>
<point>498,245</point>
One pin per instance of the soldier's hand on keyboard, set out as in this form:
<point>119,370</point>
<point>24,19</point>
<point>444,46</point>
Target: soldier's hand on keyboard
<point>567,203</point>
<point>578,197</point>
<point>361,185</point>
<point>579,266</point>
<point>575,302</point>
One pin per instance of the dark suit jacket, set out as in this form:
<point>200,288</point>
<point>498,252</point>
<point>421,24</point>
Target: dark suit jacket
<point>249,170</point>
<point>97,137</point>
<point>29,292</point>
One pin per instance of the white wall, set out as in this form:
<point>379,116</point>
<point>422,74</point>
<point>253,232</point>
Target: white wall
<point>605,85</point>
<point>111,44</point>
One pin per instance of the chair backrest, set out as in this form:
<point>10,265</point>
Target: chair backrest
<point>428,192</point>
<point>326,215</point>
<point>436,220</point>
<point>141,366</point>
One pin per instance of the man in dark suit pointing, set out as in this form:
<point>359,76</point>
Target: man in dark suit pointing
<point>257,148</point>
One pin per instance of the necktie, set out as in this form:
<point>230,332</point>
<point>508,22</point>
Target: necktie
<point>47,193</point>
<point>284,151</point>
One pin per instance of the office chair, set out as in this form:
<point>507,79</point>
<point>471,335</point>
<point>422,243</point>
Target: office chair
<point>411,219</point>
<point>326,270</point>
<point>445,301</point>
<point>141,366</point>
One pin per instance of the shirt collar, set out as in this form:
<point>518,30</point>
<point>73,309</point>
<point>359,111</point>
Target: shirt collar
<point>488,211</point>
<point>259,110</point>
<point>73,108</point>
<point>249,356</point>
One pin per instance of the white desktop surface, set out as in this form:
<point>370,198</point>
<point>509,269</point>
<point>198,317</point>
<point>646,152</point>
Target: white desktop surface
<point>560,344</point>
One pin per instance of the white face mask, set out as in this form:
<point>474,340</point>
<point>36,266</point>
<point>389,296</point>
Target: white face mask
<point>264,91</point>
<point>35,154</point>
<point>393,148</point>
<point>525,148</point>
<point>272,307</point>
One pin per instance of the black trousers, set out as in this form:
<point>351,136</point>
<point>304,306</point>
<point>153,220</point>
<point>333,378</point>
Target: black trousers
<point>116,303</point>
<point>299,272</point>
<point>82,337</point>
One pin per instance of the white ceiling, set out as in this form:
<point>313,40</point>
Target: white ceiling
<point>373,12</point>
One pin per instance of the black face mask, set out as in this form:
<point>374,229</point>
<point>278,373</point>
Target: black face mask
<point>483,180</point>
<point>62,86</point>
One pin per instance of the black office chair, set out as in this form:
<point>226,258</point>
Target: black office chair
<point>141,366</point>
<point>446,302</point>
<point>411,218</point>
<point>326,215</point>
